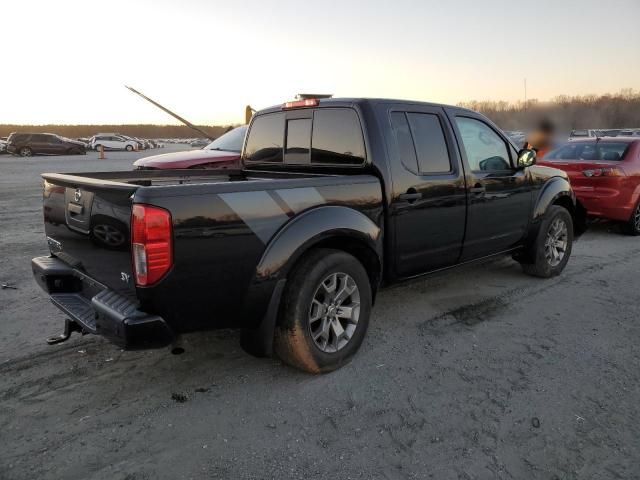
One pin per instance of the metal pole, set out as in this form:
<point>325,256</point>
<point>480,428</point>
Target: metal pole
<point>174,115</point>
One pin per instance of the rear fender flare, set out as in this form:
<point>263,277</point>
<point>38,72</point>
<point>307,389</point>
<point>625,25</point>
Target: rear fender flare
<point>263,297</point>
<point>310,228</point>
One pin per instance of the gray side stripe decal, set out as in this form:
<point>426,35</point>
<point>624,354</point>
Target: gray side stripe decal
<point>258,210</point>
<point>300,198</point>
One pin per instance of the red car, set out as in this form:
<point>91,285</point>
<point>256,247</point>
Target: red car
<point>223,152</point>
<point>605,175</point>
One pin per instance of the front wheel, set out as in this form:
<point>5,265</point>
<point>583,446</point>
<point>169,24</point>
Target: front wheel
<point>129,148</point>
<point>325,312</point>
<point>551,250</point>
<point>26,152</point>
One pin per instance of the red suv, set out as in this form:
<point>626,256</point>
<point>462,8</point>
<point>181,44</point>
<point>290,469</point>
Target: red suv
<point>605,175</point>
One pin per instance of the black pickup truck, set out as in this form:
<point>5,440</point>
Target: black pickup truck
<point>336,198</point>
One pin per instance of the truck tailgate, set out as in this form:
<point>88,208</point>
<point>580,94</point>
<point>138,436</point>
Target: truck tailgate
<point>87,227</point>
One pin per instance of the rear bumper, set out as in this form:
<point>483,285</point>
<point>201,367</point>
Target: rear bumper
<point>97,309</point>
<point>605,203</point>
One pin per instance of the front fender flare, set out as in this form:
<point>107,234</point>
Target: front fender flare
<point>551,192</point>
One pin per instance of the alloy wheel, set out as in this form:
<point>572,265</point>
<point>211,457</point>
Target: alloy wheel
<point>334,312</point>
<point>555,245</point>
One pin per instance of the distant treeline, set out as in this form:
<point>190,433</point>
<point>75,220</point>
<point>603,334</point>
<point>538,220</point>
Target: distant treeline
<point>620,110</point>
<point>141,131</point>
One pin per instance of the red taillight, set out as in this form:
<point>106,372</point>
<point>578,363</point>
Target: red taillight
<point>604,172</point>
<point>307,102</point>
<point>150,243</point>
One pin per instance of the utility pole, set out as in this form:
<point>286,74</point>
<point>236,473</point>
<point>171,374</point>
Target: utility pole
<point>525,94</point>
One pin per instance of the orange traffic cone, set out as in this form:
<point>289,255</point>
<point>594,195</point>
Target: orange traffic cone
<point>101,152</point>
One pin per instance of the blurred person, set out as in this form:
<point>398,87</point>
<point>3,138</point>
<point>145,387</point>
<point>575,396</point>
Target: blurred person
<point>540,138</point>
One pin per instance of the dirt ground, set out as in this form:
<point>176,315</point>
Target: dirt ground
<point>482,373</point>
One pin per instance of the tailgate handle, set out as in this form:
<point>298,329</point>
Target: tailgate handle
<point>77,209</point>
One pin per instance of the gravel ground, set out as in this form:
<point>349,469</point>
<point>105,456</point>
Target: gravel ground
<point>482,373</point>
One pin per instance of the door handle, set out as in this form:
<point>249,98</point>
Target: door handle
<point>411,196</point>
<point>477,189</point>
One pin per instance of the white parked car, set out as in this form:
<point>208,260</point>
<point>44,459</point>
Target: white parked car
<point>585,133</point>
<point>113,142</point>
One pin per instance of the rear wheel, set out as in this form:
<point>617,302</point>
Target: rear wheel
<point>325,312</point>
<point>632,227</point>
<point>551,250</point>
<point>25,152</point>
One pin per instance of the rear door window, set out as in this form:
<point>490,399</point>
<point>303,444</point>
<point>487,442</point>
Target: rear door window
<point>430,144</point>
<point>404,141</point>
<point>264,143</point>
<point>337,137</point>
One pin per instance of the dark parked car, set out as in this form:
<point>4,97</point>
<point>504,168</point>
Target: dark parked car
<point>28,144</point>
<point>336,198</point>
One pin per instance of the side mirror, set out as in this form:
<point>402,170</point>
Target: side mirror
<point>526,157</point>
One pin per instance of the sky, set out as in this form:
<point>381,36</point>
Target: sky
<point>67,61</point>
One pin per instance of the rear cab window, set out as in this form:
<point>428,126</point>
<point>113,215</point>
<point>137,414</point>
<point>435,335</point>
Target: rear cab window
<point>329,136</point>
<point>337,137</point>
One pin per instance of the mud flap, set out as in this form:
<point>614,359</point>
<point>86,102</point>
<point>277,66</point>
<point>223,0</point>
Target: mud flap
<point>259,341</point>
<point>579,220</point>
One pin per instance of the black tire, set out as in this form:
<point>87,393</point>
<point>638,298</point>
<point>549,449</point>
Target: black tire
<point>97,148</point>
<point>632,227</point>
<point>539,263</point>
<point>293,341</point>
<point>128,148</point>
<point>25,152</point>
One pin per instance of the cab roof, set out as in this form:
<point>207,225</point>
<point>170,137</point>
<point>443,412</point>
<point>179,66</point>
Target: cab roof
<point>349,102</point>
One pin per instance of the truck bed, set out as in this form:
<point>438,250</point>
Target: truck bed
<point>221,223</point>
<point>150,178</point>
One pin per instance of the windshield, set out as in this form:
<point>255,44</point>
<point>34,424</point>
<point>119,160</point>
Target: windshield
<point>230,141</point>
<point>597,150</point>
